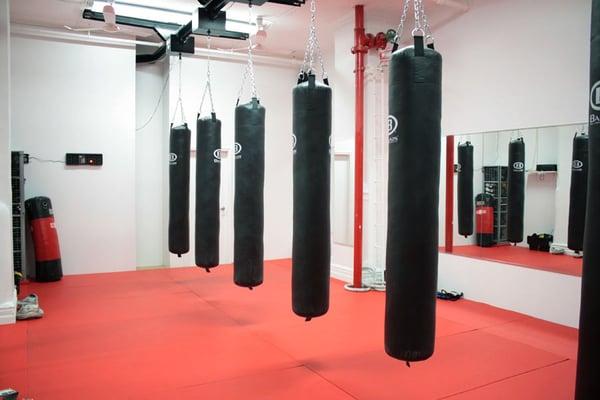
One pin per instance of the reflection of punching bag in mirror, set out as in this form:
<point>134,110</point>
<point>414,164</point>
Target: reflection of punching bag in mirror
<point>516,190</point>
<point>588,384</point>
<point>465,189</point>
<point>577,203</point>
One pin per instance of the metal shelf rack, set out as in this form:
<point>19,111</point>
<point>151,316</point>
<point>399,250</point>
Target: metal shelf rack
<point>495,183</point>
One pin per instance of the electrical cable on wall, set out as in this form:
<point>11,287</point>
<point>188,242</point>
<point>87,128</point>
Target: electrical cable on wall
<point>46,160</point>
<point>160,99</point>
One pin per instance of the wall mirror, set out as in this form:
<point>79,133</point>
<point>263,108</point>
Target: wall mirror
<point>534,221</point>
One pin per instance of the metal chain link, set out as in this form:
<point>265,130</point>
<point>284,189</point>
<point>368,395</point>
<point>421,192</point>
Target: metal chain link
<point>400,29</point>
<point>426,27</point>
<point>313,48</point>
<point>421,22</point>
<point>249,70</point>
<point>418,28</point>
<point>208,87</point>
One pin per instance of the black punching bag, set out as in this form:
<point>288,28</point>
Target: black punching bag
<point>465,189</point>
<point>579,178</point>
<point>208,186</point>
<point>516,190</point>
<point>311,250</point>
<point>249,187</point>
<point>588,380</point>
<point>179,190</point>
<point>413,198</point>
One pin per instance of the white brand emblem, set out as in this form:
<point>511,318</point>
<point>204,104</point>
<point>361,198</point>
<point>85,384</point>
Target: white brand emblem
<point>392,125</point>
<point>172,158</point>
<point>217,154</point>
<point>518,166</point>
<point>577,165</point>
<point>595,97</point>
<point>294,141</point>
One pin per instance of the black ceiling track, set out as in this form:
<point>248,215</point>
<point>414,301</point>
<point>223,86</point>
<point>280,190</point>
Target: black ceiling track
<point>208,20</point>
<point>213,7</point>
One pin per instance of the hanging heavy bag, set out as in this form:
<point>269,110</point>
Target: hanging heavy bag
<point>465,189</point>
<point>516,190</point>
<point>413,198</point>
<point>179,190</point>
<point>48,264</point>
<point>587,383</point>
<point>208,186</point>
<point>249,192</point>
<point>578,195</point>
<point>311,250</point>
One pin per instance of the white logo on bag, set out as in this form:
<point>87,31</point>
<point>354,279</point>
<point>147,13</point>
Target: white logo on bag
<point>172,158</point>
<point>518,166</point>
<point>458,168</point>
<point>238,151</point>
<point>294,142</point>
<point>577,165</point>
<point>595,97</point>
<point>392,125</point>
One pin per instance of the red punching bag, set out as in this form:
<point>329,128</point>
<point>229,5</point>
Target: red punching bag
<point>48,267</point>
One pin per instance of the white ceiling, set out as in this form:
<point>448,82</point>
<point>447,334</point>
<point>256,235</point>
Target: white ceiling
<point>286,36</point>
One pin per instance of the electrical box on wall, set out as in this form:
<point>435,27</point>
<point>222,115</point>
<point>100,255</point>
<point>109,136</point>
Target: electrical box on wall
<point>93,160</point>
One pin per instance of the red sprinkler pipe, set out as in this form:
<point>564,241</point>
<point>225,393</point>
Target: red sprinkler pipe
<point>360,50</point>
<point>363,42</point>
<point>449,194</point>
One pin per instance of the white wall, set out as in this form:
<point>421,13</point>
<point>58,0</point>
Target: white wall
<point>71,97</point>
<point>512,64</point>
<point>275,84</point>
<point>501,72</point>
<point>151,171</point>
<point>7,291</point>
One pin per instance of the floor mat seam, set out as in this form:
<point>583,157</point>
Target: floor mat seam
<point>504,379</point>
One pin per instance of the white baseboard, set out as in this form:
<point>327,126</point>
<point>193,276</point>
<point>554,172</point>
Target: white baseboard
<point>341,272</point>
<point>8,311</point>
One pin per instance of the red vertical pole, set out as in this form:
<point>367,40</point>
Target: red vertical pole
<point>359,50</point>
<point>449,193</point>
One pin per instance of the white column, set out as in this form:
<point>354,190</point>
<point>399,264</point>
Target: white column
<point>7,290</point>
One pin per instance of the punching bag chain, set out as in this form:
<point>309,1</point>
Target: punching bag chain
<point>422,27</point>
<point>313,48</point>
<point>179,104</point>
<point>208,86</point>
<point>249,70</point>
<point>400,28</point>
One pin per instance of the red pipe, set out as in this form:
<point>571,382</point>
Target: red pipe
<point>449,194</point>
<point>359,50</point>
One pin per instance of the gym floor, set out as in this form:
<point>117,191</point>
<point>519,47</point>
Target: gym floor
<point>183,333</point>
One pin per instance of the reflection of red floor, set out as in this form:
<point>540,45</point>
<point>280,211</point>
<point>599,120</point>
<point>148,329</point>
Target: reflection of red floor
<point>186,334</point>
<point>523,257</point>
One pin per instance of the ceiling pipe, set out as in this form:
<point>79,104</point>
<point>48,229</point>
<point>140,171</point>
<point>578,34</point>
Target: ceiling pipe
<point>459,5</point>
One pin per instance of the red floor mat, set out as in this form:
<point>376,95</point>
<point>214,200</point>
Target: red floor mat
<point>523,257</point>
<point>461,362</point>
<point>188,334</point>
<point>556,382</point>
<point>289,384</point>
